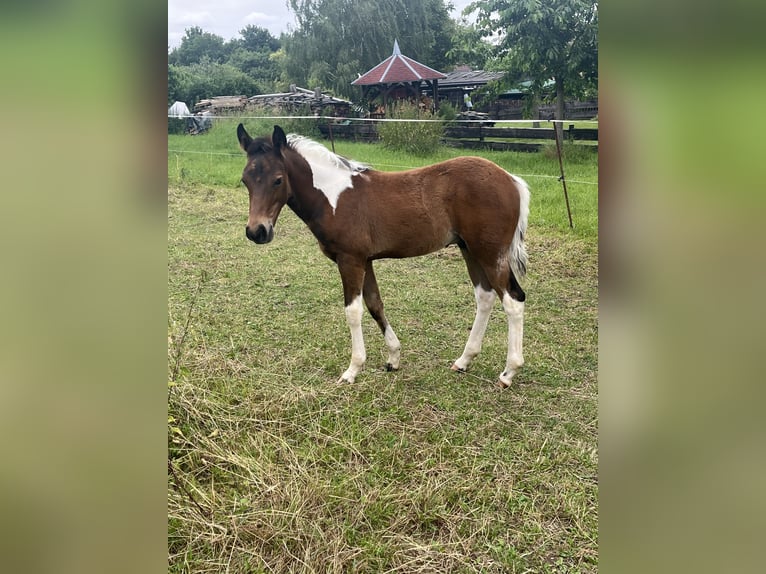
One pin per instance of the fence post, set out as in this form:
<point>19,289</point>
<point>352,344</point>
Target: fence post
<point>562,179</point>
<point>332,139</point>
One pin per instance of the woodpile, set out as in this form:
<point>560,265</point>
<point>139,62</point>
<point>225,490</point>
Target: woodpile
<point>476,116</point>
<point>221,105</point>
<point>299,100</point>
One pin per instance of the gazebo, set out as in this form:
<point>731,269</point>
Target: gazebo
<point>399,77</point>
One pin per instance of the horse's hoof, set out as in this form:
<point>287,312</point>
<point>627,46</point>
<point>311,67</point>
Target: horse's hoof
<point>499,384</point>
<point>457,369</point>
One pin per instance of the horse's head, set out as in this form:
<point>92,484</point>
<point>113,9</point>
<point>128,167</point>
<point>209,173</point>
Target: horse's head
<point>265,177</point>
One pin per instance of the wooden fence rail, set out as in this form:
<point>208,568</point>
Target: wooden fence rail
<point>472,136</point>
<point>479,131</point>
<point>486,137</point>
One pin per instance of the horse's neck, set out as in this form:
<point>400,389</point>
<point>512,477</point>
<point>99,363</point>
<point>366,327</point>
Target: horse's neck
<point>305,202</point>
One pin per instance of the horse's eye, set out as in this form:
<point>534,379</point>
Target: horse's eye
<point>278,181</point>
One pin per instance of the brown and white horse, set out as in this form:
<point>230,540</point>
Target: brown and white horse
<point>359,214</point>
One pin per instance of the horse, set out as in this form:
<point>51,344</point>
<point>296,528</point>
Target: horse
<point>359,214</point>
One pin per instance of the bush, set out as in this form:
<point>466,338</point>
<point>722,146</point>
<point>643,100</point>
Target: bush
<point>447,112</point>
<point>418,138</point>
<point>177,125</point>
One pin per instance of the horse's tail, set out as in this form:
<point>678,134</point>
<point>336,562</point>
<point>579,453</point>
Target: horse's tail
<point>518,252</point>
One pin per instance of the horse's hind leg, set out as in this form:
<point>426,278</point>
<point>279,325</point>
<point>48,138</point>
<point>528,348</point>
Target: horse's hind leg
<point>513,304</point>
<point>485,299</point>
<point>375,307</point>
<point>488,280</point>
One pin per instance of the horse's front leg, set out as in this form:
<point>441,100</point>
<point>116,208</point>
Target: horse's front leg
<point>352,275</point>
<point>375,306</point>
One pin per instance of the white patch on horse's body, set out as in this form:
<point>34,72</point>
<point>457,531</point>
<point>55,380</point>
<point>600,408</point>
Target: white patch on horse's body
<point>332,173</point>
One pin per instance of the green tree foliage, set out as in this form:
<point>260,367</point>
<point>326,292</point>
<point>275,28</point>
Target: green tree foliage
<point>207,79</point>
<point>257,39</point>
<point>196,45</point>
<point>178,83</point>
<point>546,39</point>
<point>253,53</point>
<point>204,65</point>
<point>336,40</point>
<point>469,47</point>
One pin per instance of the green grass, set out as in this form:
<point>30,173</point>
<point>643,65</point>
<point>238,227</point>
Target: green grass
<point>277,468</point>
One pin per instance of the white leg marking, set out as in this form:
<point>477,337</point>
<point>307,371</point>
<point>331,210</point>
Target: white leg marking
<point>515,311</point>
<point>354,313</point>
<point>394,347</point>
<point>484,302</point>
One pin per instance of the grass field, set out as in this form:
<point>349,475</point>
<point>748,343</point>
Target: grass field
<point>274,467</point>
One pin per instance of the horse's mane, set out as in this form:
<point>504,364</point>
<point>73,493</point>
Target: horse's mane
<point>315,152</point>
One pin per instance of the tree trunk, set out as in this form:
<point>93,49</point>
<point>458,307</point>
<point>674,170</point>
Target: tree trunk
<point>560,106</point>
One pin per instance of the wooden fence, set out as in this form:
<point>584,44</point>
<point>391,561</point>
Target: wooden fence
<point>502,109</point>
<point>472,136</point>
<point>357,131</point>
<point>480,136</point>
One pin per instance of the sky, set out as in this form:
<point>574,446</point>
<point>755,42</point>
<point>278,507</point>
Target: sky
<point>226,18</point>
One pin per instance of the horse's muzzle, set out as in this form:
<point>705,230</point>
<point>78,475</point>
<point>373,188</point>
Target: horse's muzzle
<point>261,234</point>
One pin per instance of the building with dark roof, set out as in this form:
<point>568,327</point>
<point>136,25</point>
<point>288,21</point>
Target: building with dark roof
<point>463,81</point>
<point>398,77</point>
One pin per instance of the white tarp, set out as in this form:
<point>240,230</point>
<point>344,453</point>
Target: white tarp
<point>178,110</point>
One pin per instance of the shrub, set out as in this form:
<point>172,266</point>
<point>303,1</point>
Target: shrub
<point>418,138</point>
<point>447,112</point>
<point>177,125</point>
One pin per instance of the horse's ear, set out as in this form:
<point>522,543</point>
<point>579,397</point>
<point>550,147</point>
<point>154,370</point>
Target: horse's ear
<point>244,138</point>
<point>279,139</point>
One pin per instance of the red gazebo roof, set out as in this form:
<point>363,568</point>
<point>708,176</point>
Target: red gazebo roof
<point>397,68</point>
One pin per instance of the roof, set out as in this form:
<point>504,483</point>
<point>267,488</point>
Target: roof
<point>469,78</point>
<point>398,68</point>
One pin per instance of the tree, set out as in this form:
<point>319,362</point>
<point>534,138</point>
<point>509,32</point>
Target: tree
<point>546,39</point>
<point>469,47</point>
<point>196,45</point>
<point>253,54</point>
<point>204,65</point>
<point>178,83</point>
<point>208,79</point>
<point>336,40</point>
<point>257,39</point>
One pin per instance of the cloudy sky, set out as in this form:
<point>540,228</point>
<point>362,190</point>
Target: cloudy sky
<point>227,17</point>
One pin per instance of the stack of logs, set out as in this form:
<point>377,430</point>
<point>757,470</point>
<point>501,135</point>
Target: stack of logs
<point>298,99</point>
<point>221,105</point>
